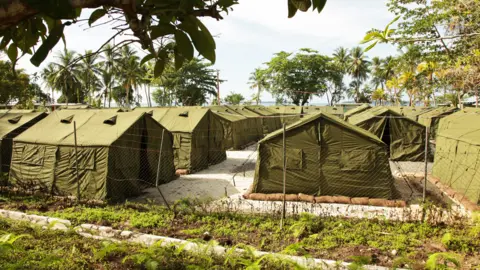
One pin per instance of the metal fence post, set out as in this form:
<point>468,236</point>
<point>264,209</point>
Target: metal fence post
<point>158,171</point>
<point>76,159</point>
<point>284,176</point>
<point>427,135</point>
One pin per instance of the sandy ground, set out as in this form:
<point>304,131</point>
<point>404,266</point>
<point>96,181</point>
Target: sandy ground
<point>234,176</point>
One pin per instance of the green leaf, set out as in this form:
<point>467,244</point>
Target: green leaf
<point>52,40</point>
<point>97,14</point>
<point>206,33</point>
<point>292,9</point>
<point>179,60</point>
<point>184,44</point>
<point>6,39</point>
<point>370,47</point>
<point>12,52</point>
<point>202,40</point>
<point>147,58</point>
<point>319,5</point>
<point>392,22</point>
<point>159,67</point>
<point>161,30</point>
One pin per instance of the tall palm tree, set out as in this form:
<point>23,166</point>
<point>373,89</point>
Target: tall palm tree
<point>394,84</point>
<point>48,74</point>
<point>107,83</point>
<point>67,70</point>
<point>358,68</point>
<point>341,57</point>
<point>378,73</point>
<point>88,72</point>
<point>130,70</point>
<point>110,63</point>
<point>258,80</point>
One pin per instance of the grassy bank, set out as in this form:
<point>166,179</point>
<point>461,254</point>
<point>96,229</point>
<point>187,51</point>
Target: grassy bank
<point>374,241</point>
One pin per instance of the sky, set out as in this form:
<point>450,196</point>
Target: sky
<point>257,29</point>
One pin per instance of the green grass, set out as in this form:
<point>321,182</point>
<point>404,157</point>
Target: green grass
<point>385,242</point>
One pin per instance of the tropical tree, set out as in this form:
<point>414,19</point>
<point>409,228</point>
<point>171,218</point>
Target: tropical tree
<point>88,71</point>
<point>110,62</point>
<point>258,80</point>
<point>379,95</point>
<point>66,71</point>
<point>358,68</point>
<point>107,83</point>
<point>13,87</point>
<point>234,98</point>
<point>394,85</point>
<point>48,74</point>
<point>130,73</point>
<point>341,57</point>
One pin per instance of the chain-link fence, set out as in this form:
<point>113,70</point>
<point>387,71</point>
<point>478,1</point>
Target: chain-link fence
<point>320,159</point>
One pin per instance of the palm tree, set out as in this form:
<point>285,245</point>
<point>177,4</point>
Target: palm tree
<point>88,72</point>
<point>341,57</point>
<point>110,63</point>
<point>106,82</point>
<point>48,74</point>
<point>394,83</point>
<point>358,68</point>
<point>258,80</point>
<point>378,73</point>
<point>67,70</point>
<point>130,70</point>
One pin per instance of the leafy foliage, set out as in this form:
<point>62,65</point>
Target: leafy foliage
<point>234,99</point>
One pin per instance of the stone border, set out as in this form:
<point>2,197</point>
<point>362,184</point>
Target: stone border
<point>456,197</point>
<point>414,212</point>
<point>110,234</point>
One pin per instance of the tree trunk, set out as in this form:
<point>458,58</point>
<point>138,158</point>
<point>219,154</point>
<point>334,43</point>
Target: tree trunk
<point>146,94</point>
<point>476,97</point>
<point>258,94</point>
<point>109,96</point>
<point>127,101</point>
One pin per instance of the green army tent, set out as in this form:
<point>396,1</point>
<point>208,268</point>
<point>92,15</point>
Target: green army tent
<point>432,118</point>
<point>255,124</point>
<point>349,106</point>
<point>410,112</point>
<point>289,114</point>
<point>356,110</point>
<point>457,155</point>
<point>270,120</point>
<point>12,124</point>
<point>333,110</point>
<point>325,156</point>
<point>404,136</point>
<point>117,154</point>
<point>234,125</point>
<point>197,135</point>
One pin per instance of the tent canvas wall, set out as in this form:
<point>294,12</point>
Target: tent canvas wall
<point>197,135</point>
<point>404,136</point>
<point>356,110</point>
<point>457,156</point>
<point>432,118</point>
<point>255,124</point>
<point>270,120</point>
<point>12,124</point>
<point>289,114</point>
<point>118,153</point>
<point>234,125</point>
<point>325,156</point>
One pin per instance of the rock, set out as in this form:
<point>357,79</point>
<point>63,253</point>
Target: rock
<point>126,234</point>
<point>394,252</point>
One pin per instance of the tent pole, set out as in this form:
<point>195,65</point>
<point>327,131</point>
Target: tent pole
<point>76,159</point>
<point>427,131</point>
<point>158,171</point>
<point>284,176</point>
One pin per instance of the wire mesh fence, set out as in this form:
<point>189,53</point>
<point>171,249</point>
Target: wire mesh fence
<point>321,159</point>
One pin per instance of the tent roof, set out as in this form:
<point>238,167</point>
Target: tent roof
<point>177,119</point>
<point>286,109</point>
<point>227,113</point>
<point>324,109</point>
<point>265,111</point>
<point>422,118</point>
<point>312,117</point>
<point>242,110</point>
<point>369,114</point>
<point>13,119</point>
<point>458,126</point>
<point>357,110</point>
<point>91,127</point>
<point>409,111</point>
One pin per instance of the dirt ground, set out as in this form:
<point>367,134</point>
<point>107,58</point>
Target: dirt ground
<point>235,175</point>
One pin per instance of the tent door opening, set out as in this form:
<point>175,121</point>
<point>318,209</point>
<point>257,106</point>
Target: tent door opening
<point>386,136</point>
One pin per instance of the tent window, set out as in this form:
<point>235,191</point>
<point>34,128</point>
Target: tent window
<point>33,155</point>
<point>111,121</point>
<point>294,158</point>
<point>150,113</point>
<point>86,159</point>
<point>357,160</point>
<point>184,114</point>
<point>67,120</point>
<point>15,120</point>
